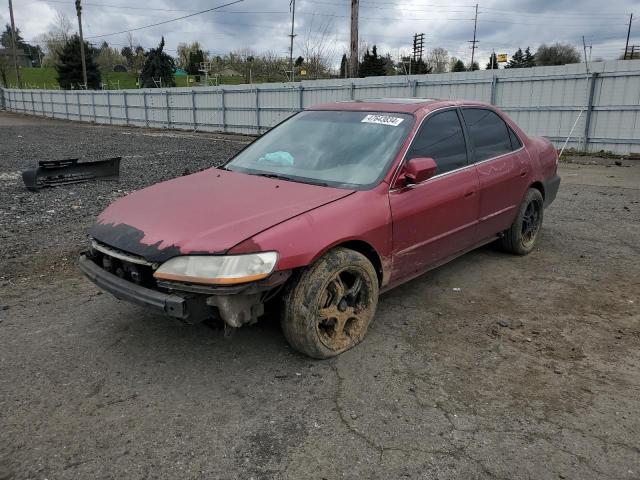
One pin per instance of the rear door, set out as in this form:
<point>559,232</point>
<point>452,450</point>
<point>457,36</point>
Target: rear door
<point>502,165</point>
<point>435,219</point>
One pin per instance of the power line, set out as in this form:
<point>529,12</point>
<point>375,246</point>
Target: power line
<point>167,21</point>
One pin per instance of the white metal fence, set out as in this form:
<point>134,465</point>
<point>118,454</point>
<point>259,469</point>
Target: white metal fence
<point>543,101</point>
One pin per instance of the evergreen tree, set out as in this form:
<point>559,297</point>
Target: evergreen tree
<point>372,65</point>
<point>529,59</point>
<point>195,58</point>
<point>344,66</point>
<point>419,67</point>
<point>34,52</point>
<point>158,67</point>
<point>493,62</point>
<point>458,66</point>
<point>69,67</point>
<point>127,52</point>
<point>517,60</point>
<point>473,67</point>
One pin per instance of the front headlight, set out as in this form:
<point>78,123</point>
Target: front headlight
<point>220,270</point>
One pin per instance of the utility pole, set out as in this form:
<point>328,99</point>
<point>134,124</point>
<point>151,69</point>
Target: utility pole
<point>626,47</point>
<point>418,46</point>
<point>292,8</point>
<point>586,62</point>
<point>474,41</point>
<point>84,62</point>
<point>14,45</point>
<point>353,60</point>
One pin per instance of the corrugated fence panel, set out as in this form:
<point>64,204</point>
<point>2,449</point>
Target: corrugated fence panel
<point>602,106</point>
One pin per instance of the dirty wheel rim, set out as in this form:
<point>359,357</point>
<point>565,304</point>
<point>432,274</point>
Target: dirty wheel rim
<point>531,222</point>
<point>344,309</point>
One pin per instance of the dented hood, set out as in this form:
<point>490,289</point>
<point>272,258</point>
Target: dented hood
<point>207,212</point>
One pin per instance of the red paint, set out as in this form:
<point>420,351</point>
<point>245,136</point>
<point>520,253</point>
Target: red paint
<point>213,210</point>
<point>411,228</point>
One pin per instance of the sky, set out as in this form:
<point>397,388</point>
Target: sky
<point>263,25</point>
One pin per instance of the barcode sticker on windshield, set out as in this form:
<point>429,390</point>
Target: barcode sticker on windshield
<point>383,120</point>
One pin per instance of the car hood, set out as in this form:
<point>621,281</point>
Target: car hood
<point>207,212</point>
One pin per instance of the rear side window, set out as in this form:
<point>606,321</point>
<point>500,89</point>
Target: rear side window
<point>489,134</point>
<point>442,139</point>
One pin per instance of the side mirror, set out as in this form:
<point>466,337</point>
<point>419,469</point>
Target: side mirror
<point>417,170</point>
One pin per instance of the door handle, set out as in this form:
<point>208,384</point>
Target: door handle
<point>468,194</point>
<point>524,172</point>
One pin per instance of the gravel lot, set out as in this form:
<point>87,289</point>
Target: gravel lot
<point>531,370</point>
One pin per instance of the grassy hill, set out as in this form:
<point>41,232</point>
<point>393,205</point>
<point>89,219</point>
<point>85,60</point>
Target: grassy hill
<point>45,78</point>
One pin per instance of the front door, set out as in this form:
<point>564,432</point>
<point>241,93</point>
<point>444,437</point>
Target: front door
<point>437,218</point>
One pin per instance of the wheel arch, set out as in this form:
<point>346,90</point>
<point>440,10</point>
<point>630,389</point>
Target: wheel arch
<point>364,248</point>
<point>538,186</point>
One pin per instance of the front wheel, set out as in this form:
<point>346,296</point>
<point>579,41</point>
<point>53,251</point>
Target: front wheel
<point>521,237</point>
<point>329,307</point>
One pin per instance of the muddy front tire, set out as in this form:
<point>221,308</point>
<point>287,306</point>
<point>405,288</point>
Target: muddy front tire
<point>329,306</point>
<point>521,237</point>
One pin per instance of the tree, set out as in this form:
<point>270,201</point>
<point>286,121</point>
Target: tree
<point>69,66</point>
<point>516,60</point>
<point>184,50</point>
<point>196,57</point>
<point>318,49</point>
<point>127,53</point>
<point>457,65</point>
<point>109,57</point>
<point>55,39</point>
<point>372,65</point>
<point>344,66</point>
<point>492,64</point>
<point>473,67</point>
<point>529,59</point>
<point>34,52</point>
<point>158,68</point>
<point>5,65</point>
<point>389,65</point>
<point>438,60</point>
<point>557,54</point>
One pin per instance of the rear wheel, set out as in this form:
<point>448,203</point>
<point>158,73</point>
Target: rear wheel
<point>521,237</point>
<point>329,308</point>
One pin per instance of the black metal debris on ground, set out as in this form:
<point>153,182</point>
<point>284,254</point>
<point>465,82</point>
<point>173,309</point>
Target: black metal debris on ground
<point>52,173</point>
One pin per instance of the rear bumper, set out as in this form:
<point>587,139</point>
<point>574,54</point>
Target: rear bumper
<point>551,187</point>
<point>172,305</point>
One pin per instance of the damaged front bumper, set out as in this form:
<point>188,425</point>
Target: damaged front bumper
<point>170,304</point>
<point>236,306</point>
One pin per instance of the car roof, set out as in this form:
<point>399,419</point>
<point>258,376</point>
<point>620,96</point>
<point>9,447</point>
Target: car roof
<point>394,105</point>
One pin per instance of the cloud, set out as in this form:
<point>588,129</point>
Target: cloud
<point>261,25</point>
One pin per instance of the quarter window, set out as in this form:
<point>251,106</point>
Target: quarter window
<point>441,138</point>
<point>489,134</point>
<point>515,141</point>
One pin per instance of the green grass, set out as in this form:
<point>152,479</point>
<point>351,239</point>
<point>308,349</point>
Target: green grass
<point>46,78</point>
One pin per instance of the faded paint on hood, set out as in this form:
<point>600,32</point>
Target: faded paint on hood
<point>207,212</point>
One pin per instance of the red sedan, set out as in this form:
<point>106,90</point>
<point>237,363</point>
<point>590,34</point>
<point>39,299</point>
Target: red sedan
<point>322,213</point>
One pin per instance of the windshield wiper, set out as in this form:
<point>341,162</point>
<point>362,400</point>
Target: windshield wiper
<point>290,179</point>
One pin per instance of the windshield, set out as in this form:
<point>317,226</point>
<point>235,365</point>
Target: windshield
<point>336,148</point>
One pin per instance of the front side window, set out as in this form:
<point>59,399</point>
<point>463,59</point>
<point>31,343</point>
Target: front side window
<point>441,138</point>
<point>488,133</point>
<point>344,149</point>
